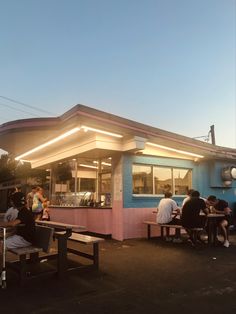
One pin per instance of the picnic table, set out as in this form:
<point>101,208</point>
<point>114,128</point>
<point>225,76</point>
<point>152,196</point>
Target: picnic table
<point>65,233</point>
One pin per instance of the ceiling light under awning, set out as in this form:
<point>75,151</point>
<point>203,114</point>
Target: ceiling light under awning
<point>87,128</point>
<point>175,150</point>
<point>64,135</point>
<point>56,139</point>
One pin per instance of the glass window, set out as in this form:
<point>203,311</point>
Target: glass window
<point>162,180</point>
<point>142,179</point>
<point>148,179</point>
<point>81,181</point>
<point>182,181</point>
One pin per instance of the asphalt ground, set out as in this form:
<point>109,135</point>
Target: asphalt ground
<point>135,276</point>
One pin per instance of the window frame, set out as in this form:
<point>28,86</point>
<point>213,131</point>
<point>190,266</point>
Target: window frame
<point>173,185</point>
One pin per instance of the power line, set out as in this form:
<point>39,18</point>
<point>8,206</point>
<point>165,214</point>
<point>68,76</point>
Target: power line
<point>26,105</point>
<point>20,110</point>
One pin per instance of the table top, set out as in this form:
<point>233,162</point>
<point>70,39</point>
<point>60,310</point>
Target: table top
<point>214,215</point>
<point>61,225</point>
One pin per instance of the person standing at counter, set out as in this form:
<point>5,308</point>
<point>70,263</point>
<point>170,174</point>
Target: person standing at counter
<point>30,197</point>
<point>38,201</point>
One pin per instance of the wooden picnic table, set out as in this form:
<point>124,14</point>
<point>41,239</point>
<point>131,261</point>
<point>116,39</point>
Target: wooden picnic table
<point>61,225</point>
<point>64,233</point>
<point>62,238</point>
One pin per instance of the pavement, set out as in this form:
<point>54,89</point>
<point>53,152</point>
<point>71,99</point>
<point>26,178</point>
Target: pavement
<point>135,276</point>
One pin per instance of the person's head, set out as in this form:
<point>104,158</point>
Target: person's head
<point>38,189</point>
<point>190,191</point>
<point>18,189</point>
<point>168,194</point>
<point>195,194</point>
<point>212,200</point>
<point>18,199</point>
<point>33,188</point>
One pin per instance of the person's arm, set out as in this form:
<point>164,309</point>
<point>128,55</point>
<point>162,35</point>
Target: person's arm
<point>227,210</point>
<point>41,198</point>
<point>11,223</point>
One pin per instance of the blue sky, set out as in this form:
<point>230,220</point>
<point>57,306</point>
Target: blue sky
<point>167,63</point>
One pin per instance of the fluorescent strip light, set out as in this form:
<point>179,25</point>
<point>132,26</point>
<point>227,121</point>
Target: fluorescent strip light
<point>175,150</point>
<point>86,128</point>
<point>106,164</point>
<point>102,163</point>
<point>56,139</point>
<point>88,166</point>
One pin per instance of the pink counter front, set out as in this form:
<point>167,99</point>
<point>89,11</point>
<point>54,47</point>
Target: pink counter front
<point>121,223</point>
<point>97,220</point>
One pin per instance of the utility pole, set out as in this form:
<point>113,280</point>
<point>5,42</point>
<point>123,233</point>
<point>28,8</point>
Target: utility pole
<point>212,131</point>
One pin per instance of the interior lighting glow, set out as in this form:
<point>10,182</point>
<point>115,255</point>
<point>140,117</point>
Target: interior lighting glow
<point>106,164</point>
<point>88,166</point>
<point>175,150</point>
<point>102,163</point>
<point>56,139</point>
<point>86,128</point>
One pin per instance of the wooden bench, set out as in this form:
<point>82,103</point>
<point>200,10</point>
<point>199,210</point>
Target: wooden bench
<point>86,240</point>
<point>30,254</point>
<point>164,228</point>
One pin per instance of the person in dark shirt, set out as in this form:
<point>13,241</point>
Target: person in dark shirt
<point>190,217</point>
<point>219,206</point>
<point>24,223</point>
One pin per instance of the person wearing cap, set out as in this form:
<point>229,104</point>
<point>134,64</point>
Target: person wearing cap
<point>24,224</point>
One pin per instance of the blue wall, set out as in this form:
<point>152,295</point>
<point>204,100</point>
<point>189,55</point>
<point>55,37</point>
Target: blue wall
<point>206,179</point>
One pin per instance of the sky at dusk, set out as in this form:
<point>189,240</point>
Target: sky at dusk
<point>170,64</point>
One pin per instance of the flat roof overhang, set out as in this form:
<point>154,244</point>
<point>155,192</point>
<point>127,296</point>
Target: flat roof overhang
<point>18,137</point>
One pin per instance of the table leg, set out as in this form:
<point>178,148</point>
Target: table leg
<point>96,255</point>
<point>148,231</point>
<point>212,232</point>
<point>62,264</point>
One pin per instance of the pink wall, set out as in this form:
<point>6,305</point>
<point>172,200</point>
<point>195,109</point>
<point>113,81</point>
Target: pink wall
<point>121,223</point>
<point>133,222</point>
<point>99,220</point>
<point>117,221</point>
<point>95,220</point>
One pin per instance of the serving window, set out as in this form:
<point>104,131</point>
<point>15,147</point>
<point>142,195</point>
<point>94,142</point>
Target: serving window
<point>81,182</point>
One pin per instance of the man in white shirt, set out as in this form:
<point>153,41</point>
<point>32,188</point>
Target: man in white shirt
<point>165,211</point>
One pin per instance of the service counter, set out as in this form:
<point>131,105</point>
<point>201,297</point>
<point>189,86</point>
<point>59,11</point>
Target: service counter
<point>97,220</point>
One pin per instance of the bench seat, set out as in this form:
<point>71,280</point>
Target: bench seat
<point>26,250</point>
<point>86,240</point>
<point>166,227</point>
<point>30,254</point>
<point>163,227</point>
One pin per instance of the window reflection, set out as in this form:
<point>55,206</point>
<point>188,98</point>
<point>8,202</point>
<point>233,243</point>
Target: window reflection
<point>158,180</point>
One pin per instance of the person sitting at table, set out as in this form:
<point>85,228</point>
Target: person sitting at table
<point>191,217</point>
<point>11,213</point>
<point>219,206</point>
<point>188,195</point>
<point>165,211</point>
<point>24,223</point>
